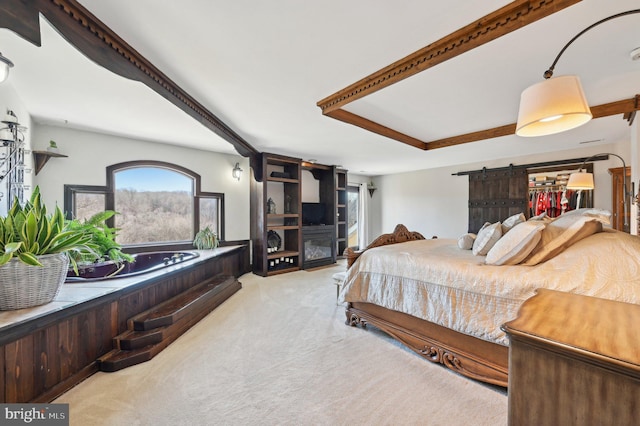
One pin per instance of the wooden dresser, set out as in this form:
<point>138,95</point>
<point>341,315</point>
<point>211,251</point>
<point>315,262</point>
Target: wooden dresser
<point>574,360</point>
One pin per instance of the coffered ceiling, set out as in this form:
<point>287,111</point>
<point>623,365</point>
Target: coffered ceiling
<point>261,67</point>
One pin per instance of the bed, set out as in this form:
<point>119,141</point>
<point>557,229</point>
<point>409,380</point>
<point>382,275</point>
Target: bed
<point>448,305</point>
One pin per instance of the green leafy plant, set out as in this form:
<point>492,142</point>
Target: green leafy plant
<point>103,237</point>
<point>28,232</point>
<point>205,239</point>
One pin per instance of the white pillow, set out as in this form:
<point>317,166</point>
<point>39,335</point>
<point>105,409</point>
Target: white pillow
<point>512,221</point>
<point>465,242</point>
<point>542,217</point>
<point>602,215</point>
<point>562,233</point>
<point>514,247</point>
<point>487,237</point>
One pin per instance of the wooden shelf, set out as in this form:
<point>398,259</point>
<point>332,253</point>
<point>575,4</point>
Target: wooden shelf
<point>282,271</point>
<point>278,189</point>
<point>283,227</point>
<point>42,157</point>
<point>283,253</point>
<point>342,211</point>
<point>282,180</point>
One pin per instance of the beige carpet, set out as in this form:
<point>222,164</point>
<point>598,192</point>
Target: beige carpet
<point>278,353</point>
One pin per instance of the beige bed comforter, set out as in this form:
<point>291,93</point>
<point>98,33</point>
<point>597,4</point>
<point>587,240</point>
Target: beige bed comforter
<point>436,281</point>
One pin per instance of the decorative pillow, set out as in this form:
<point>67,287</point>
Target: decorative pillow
<point>541,217</point>
<point>602,215</point>
<point>562,233</point>
<point>487,237</point>
<point>465,242</point>
<point>515,246</point>
<point>512,221</point>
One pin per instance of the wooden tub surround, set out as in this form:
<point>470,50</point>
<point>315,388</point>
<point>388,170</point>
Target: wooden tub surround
<point>467,355</point>
<point>46,350</point>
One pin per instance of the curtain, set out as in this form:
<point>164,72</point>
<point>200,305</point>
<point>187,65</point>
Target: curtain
<point>363,210</point>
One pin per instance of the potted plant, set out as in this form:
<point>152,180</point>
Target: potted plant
<point>53,146</point>
<point>36,249</point>
<point>205,239</point>
<point>103,240</point>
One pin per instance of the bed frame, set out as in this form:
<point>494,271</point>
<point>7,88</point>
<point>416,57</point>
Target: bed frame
<point>467,355</point>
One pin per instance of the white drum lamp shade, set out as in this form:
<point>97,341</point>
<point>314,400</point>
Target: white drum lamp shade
<point>552,106</point>
<point>580,180</point>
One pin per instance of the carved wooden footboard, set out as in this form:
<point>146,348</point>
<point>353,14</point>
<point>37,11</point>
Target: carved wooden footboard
<point>467,355</point>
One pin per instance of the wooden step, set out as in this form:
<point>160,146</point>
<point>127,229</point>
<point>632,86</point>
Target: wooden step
<point>131,339</point>
<point>177,307</point>
<point>170,319</point>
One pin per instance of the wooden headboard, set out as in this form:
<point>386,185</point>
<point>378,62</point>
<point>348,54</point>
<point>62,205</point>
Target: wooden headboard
<point>399,235</point>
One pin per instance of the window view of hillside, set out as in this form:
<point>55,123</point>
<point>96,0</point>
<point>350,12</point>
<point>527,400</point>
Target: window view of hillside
<point>87,204</point>
<point>209,212</point>
<point>153,205</point>
<point>153,216</point>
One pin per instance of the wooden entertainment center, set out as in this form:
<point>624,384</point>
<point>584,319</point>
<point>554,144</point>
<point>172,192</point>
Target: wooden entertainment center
<point>278,230</point>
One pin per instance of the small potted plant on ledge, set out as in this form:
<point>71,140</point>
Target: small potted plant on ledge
<point>36,249</point>
<point>53,146</point>
<point>205,239</point>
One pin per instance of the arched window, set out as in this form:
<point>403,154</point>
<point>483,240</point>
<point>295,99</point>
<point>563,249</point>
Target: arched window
<point>154,204</point>
<point>158,203</point>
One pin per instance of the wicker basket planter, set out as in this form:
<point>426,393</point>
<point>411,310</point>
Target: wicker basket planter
<point>24,286</point>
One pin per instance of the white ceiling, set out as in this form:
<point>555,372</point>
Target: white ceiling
<point>262,66</point>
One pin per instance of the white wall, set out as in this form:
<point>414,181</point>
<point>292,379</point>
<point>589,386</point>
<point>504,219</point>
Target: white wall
<point>90,153</point>
<point>433,202</point>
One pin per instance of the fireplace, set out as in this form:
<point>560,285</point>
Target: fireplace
<point>319,246</point>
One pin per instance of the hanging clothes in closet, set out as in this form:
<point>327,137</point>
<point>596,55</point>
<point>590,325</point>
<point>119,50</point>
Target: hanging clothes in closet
<point>553,202</point>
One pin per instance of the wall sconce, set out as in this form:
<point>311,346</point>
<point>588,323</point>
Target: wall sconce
<point>372,188</point>
<point>236,172</point>
<point>556,104</point>
<point>5,64</point>
<point>584,181</point>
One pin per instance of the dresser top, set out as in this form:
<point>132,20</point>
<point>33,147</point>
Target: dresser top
<point>600,330</point>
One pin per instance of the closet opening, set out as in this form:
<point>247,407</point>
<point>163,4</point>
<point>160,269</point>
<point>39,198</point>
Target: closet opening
<point>548,193</point>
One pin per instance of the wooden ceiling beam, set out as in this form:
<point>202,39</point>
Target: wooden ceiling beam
<point>511,17</point>
<point>102,45</point>
<point>625,107</point>
<point>495,132</point>
<point>372,126</point>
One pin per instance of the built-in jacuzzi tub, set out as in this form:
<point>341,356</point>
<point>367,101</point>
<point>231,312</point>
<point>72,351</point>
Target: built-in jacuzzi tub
<point>144,262</point>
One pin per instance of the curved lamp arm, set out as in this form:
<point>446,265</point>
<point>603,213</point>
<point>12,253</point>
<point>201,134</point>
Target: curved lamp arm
<point>624,182</point>
<point>549,73</point>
